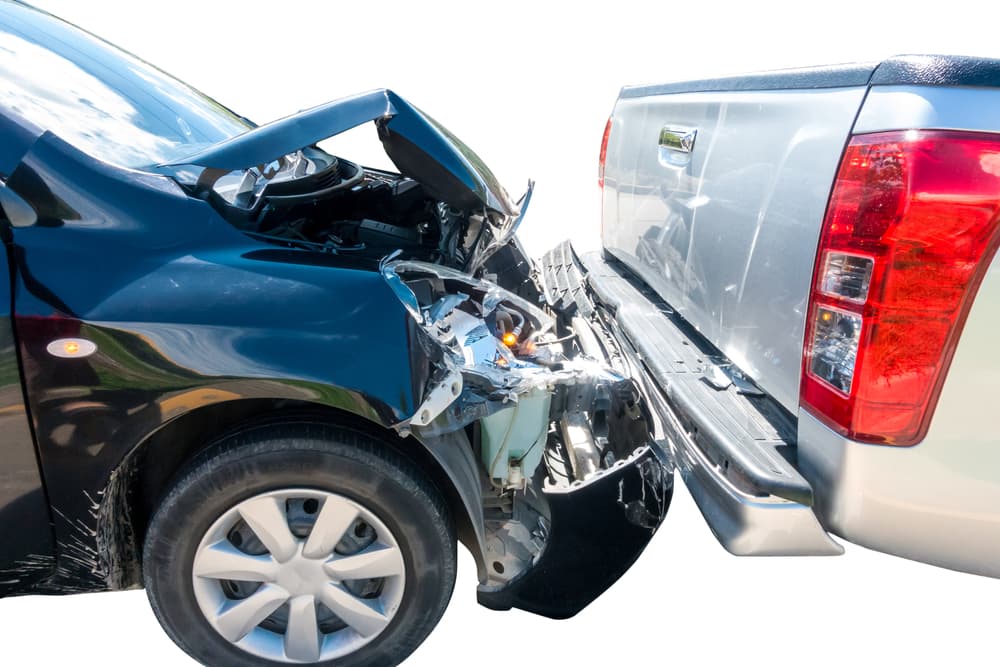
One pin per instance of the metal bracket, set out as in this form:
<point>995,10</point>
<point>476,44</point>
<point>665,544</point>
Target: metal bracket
<point>438,399</point>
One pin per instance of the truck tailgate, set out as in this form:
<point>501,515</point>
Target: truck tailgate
<point>726,231</point>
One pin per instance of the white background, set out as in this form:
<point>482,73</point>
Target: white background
<point>529,86</point>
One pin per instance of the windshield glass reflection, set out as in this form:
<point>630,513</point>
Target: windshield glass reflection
<point>100,99</point>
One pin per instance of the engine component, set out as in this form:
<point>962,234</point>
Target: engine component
<point>373,232</point>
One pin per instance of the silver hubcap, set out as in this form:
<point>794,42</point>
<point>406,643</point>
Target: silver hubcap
<point>299,576</point>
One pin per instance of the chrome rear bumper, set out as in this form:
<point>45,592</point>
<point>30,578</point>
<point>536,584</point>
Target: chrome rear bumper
<point>748,521</point>
<point>744,524</point>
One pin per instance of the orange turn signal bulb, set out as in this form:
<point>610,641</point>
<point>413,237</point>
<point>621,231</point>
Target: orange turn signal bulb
<point>510,339</point>
<point>71,347</point>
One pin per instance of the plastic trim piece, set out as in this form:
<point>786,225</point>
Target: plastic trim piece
<point>903,70</point>
<point>831,76</point>
<point>936,70</point>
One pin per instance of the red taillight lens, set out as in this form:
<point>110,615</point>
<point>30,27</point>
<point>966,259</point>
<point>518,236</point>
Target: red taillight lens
<point>604,154</point>
<point>910,229</point>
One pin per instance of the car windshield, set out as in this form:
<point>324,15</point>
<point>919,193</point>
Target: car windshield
<point>100,99</point>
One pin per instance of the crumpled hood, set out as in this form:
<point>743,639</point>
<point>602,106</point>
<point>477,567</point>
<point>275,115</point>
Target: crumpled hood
<point>419,147</point>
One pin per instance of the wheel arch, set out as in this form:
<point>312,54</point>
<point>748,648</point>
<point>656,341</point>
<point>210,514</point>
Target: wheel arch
<point>144,475</point>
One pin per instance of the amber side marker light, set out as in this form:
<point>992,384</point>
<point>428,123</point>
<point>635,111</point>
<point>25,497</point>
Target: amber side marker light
<point>71,348</point>
<point>912,225</point>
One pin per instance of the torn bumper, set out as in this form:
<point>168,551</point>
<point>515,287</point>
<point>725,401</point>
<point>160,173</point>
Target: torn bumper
<point>598,530</point>
<point>571,483</point>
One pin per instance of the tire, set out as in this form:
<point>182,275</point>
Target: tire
<point>209,510</point>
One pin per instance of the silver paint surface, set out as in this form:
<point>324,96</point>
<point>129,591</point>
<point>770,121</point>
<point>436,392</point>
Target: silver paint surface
<point>929,107</point>
<point>936,502</point>
<point>729,237</point>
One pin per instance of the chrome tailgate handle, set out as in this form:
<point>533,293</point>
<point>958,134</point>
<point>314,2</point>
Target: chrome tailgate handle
<point>676,145</point>
<point>678,139</point>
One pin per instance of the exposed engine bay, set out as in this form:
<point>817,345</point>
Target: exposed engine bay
<point>274,182</point>
<point>319,202</point>
<point>501,364</point>
<point>315,201</point>
<point>504,367</point>
<point>517,391</point>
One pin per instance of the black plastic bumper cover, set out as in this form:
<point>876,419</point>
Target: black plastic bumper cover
<point>598,530</point>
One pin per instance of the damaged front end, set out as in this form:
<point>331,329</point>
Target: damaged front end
<point>550,448</point>
<point>572,485</point>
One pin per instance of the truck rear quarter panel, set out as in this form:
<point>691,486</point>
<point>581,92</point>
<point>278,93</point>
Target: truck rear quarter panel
<point>937,501</point>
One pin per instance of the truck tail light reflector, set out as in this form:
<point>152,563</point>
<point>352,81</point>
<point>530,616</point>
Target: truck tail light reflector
<point>910,229</point>
<point>847,276</point>
<point>836,334</point>
<point>604,154</point>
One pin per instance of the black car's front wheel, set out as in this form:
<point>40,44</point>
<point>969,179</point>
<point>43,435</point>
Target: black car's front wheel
<point>300,544</point>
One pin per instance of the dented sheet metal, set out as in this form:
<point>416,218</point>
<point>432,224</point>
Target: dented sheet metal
<point>534,442</point>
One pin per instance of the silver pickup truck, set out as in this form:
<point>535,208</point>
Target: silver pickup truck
<point>801,264</point>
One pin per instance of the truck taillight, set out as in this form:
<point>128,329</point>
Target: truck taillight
<point>604,154</point>
<point>910,229</point>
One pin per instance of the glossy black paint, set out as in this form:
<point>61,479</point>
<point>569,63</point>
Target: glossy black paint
<point>17,139</point>
<point>186,312</point>
<point>27,553</point>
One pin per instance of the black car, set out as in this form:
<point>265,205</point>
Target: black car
<point>275,387</point>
